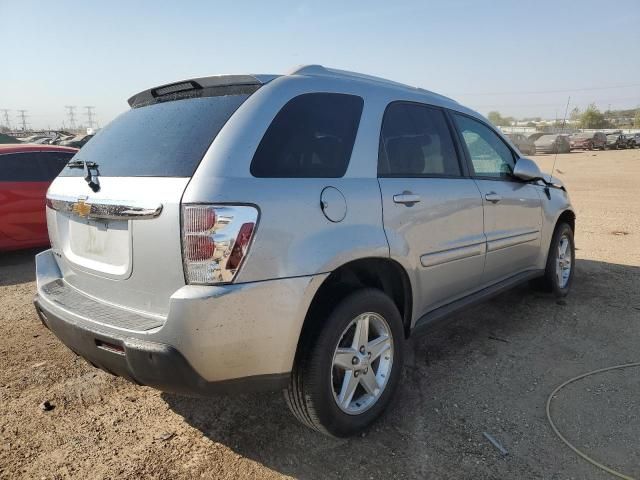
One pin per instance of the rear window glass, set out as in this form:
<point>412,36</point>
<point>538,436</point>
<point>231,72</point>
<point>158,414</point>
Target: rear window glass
<point>311,137</point>
<point>32,166</point>
<point>161,140</point>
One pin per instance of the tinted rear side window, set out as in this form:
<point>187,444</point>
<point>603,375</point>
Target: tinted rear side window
<point>18,167</point>
<point>52,163</point>
<point>416,141</point>
<point>311,137</point>
<point>162,140</point>
<point>32,166</point>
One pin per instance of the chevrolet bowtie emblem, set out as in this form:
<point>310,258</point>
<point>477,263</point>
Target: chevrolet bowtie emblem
<point>81,208</point>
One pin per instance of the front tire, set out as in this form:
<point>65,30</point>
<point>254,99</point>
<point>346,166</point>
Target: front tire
<point>558,274</point>
<point>348,367</point>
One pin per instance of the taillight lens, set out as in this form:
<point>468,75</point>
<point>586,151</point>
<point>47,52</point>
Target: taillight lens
<point>215,241</point>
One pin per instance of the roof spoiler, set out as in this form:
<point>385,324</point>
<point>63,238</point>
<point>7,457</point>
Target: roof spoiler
<point>200,87</point>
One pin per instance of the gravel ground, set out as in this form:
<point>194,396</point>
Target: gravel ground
<point>490,369</point>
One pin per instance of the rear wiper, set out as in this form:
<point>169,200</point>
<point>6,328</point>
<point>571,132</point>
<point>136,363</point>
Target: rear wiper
<point>91,172</point>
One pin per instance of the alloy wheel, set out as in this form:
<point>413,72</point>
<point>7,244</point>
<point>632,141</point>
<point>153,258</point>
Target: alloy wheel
<point>563,261</point>
<point>362,363</point>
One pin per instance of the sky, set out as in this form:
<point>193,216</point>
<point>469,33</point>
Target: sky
<point>523,59</point>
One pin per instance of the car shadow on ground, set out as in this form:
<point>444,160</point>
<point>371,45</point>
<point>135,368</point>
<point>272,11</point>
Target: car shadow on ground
<point>18,266</point>
<point>493,362</point>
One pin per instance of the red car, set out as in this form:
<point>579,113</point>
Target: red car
<point>25,174</point>
<point>588,141</point>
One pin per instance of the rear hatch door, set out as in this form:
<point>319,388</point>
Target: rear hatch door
<point>120,244</point>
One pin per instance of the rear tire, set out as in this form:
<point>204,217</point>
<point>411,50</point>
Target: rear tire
<point>561,259</point>
<point>321,393</point>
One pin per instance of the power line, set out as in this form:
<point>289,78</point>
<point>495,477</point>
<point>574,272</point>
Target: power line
<point>6,111</point>
<point>519,105</point>
<point>566,90</point>
<point>71,114</point>
<point>22,114</point>
<point>90,114</point>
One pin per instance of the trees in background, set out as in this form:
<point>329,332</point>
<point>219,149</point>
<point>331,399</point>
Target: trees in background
<point>498,120</point>
<point>590,118</point>
<point>593,118</point>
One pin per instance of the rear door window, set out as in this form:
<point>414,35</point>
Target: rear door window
<point>311,137</point>
<point>416,141</point>
<point>165,139</point>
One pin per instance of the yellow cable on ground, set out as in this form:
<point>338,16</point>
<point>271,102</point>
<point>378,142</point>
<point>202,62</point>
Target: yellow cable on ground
<point>561,437</point>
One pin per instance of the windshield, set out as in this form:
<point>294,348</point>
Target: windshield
<point>547,138</point>
<point>583,135</point>
<point>161,140</point>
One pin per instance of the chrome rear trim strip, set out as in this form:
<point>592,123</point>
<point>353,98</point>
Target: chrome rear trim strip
<point>103,209</point>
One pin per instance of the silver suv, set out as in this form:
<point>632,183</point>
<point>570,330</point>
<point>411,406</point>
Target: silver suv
<point>255,232</point>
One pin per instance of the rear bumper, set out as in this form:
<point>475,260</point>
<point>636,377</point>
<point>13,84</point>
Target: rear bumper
<point>147,363</point>
<point>232,338</point>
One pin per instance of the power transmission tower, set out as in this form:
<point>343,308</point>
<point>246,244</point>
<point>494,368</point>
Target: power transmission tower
<point>71,113</point>
<point>90,115</point>
<point>22,114</point>
<point>5,112</point>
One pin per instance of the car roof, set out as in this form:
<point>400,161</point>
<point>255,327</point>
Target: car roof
<point>31,147</point>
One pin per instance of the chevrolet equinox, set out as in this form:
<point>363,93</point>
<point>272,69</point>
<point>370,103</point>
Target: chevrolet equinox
<point>256,232</point>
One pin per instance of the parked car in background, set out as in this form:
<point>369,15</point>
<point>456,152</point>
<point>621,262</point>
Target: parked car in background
<point>588,141</point>
<point>535,136</point>
<point>525,145</point>
<point>77,142</point>
<point>234,239</point>
<point>33,138</point>
<point>631,140</point>
<point>63,138</point>
<point>25,174</point>
<point>616,141</point>
<point>553,144</point>
<point>5,139</point>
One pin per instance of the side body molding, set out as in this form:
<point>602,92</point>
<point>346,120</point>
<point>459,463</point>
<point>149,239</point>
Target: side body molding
<point>450,255</point>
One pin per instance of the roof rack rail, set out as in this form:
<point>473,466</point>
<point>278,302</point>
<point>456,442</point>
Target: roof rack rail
<point>334,72</point>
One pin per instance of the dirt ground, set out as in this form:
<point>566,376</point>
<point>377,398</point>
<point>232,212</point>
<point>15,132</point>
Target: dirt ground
<point>488,370</point>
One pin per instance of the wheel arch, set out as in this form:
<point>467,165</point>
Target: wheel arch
<point>567,216</point>
<point>372,272</point>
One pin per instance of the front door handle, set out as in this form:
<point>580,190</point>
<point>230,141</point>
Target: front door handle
<point>406,198</point>
<point>493,197</point>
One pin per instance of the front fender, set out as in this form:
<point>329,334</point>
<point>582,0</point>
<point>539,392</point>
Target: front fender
<point>553,206</point>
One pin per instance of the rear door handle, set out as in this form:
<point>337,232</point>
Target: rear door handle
<point>493,197</point>
<point>406,198</point>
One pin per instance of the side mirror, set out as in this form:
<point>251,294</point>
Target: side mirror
<point>527,170</point>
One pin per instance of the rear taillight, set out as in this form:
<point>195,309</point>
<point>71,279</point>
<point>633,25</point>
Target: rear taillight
<point>215,241</point>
